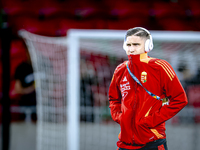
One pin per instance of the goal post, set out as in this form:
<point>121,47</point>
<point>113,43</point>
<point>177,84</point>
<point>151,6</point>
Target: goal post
<point>73,39</point>
<point>73,93</point>
<point>73,74</point>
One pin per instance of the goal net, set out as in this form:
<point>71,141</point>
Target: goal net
<point>72,77</point>
<point>49,59</point>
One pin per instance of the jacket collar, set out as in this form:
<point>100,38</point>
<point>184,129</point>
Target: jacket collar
<point>138,58</point>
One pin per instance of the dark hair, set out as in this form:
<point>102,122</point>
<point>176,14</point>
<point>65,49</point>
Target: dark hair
<point>137,32</point>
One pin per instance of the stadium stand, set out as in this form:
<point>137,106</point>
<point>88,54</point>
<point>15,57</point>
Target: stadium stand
<point>155,15</point>
<point>56,17</point>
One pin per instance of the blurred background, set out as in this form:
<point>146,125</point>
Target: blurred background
<point>53,18</point>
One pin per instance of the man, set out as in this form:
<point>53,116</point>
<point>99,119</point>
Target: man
<point>24,83</point>
<point>142,108</point>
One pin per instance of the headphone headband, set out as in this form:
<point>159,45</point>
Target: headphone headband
<point>143,29</point>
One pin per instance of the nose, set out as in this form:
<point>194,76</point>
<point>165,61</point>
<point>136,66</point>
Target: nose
<point>131,48</point>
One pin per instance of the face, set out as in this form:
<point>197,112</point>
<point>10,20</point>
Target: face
<point>135,45</point>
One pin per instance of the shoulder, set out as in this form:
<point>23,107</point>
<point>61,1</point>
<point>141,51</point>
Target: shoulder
<point>119,70</point>
<point>165,67</point>
<point>120,67</point>
<point>159,62</point>
<point>162,63</point>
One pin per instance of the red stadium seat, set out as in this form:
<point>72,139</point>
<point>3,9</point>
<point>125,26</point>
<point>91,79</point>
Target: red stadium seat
<point>88,9</point>
<point>168,10</point>
<point>175,24</point>
<point>193,13</point>
<point>20,7</point>
<point>127,23</point>
<point>67,24</point>
<point>47,27</point>
<point>75,8</point>
<point>123,9</point>
<point>126,14</point>
<point>53,8</point>
<point>54,26</point>
<point>196,24</point>
<point>192,7</point>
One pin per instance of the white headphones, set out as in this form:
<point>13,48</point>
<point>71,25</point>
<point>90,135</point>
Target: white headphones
<point>148,43</point>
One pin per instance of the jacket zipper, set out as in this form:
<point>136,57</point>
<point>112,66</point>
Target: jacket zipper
<point>134,104</point>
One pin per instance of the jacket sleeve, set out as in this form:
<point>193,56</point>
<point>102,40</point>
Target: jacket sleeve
<point>173,89</point>
<point>115,100</point>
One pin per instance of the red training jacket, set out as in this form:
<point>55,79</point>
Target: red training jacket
<point>142,117</point>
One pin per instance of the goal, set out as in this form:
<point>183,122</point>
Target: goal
<point>73,74</point>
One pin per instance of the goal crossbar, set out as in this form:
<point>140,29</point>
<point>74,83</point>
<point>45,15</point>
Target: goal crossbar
<point>180,36</point>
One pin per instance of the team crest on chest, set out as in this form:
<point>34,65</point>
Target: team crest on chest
<point>143,77</point>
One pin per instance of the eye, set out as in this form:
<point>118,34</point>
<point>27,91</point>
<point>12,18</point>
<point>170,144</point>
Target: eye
<point>136,44</point>
<point>128,44</point>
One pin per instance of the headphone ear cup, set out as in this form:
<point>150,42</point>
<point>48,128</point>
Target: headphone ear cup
<point>151,43</point>
<point>147,45</point>
<point>124,46</point>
